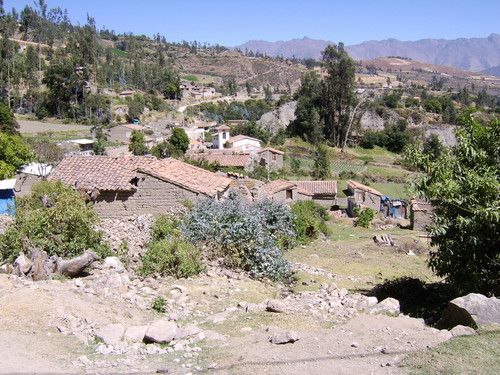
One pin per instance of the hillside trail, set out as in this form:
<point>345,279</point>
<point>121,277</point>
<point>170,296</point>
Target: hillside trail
<point>33,339</point>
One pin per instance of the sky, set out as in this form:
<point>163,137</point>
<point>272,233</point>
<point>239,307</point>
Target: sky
<point>234,22</point>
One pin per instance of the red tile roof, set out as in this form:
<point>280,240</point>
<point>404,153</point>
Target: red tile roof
<point>360,186</point>
<point>318,187</point>
<point>236,160</point>
<point>188,176</point>
<point>100,172</point>
<point>276,186</point>
<point>117,173</point>
<point>240,137</point>
<point>271,150</point>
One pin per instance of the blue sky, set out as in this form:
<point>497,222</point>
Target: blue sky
<point>234,22</point>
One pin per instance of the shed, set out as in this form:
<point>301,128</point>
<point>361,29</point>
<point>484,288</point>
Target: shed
<point>7,204</point>
<point>421,214</point>
<point>360,195</point>
<point>271,158</point>
<point>135,185</point>
<point>321,192</point>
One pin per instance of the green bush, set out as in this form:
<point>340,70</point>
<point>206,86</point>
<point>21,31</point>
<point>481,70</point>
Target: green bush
<point>173,257</point>
<point>163,227</point>
<point>54,219</point>
<point>309,220</point>
<point>365,218</point>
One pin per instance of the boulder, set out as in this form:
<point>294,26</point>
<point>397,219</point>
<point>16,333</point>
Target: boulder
<point>189,330</point>
<point>135,334</point>
<point>115,264</point>
<point>161,331</point>
<point>111,334</point>
<point>22,264</point>
<point>474,310</point>
<point>276,305</point>
<point>462,331</point>
<point>284,337</point>
<point>387,306</point>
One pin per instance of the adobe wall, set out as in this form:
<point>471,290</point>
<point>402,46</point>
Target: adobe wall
<point>420,219</point>
<point>153,196</point>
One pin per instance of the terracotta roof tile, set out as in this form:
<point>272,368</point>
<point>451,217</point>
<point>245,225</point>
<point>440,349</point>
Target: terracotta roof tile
<point>223,160</point>
<point>100,172</point>
<point>188,176</point>
<point>318,187</point>
<point>271,150</point>
<point>360,186</point>
<point>276,186</point>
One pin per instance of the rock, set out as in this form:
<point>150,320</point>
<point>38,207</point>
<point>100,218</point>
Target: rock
<point>161,331</point>
<point>387,306</point>
<point>186,331</point>
<point>22,264</point>
<point>115,264</point>
<point>284,337</point>
<point>276,305</point>
<point>111,334</point>
<point>180,288</point>
<point>85,360</point>
<point>462,331</point>
<point>473,310</point>
<point>7,269</point>
<point>135,334</point>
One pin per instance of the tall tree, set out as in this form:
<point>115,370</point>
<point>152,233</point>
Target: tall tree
<point>338,93</point>
<point>464,187</point>
<point>13,154</point>
<point>137,144</point>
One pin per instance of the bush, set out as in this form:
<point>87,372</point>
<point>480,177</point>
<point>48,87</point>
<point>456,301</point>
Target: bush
<point>171,258</point>
<point>164,227</point>
<point>365,218</point>
<point>54,219</point>
<point>243,235</point>
<point>309,220</point>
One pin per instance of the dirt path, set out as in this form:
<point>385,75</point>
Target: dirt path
<point>38,127</point>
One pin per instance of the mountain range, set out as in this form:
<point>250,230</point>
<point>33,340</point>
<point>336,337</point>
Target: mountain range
<point>475,54</point>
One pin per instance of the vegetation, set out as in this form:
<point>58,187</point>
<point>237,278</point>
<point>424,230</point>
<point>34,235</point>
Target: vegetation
<point>309,220</point>
<point>137,144</point>
<point>54,219</point>
<point>13,154</point>
<point>248,236</point>
<point>365,217</point>
<point>464,186</point>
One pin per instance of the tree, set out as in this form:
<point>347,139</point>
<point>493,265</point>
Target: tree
<point>137,144</point>
<point>322,168</point>
<point>433,147</point>
<point>8,124</point>
<point>338,92</point>
<point>464,188</point>
<point>179,140</point>
<point>13,154</point>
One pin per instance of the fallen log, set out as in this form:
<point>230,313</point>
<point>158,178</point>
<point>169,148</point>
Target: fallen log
<point>75,266</point>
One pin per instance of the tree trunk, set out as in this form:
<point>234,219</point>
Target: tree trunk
<point>75,266</point>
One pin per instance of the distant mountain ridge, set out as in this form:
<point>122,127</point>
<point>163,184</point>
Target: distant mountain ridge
<point>475,54</point>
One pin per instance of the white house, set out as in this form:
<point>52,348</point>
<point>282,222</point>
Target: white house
<point>244,143</point>
<point>220,138</point>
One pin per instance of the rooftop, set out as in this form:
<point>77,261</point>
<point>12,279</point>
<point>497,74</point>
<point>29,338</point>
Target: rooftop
<point>317,187</point>
<point>360,186</point>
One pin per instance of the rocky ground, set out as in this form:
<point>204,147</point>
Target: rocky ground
<point>109,321</point>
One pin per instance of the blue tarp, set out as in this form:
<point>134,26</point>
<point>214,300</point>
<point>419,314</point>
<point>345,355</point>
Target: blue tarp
<point>7,202</point>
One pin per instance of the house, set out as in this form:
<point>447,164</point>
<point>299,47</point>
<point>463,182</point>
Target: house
<point>360,195</point>
<point>122,133</point>
<point>7,205</point>
<point>30,175</point>
<point>281,191</point>
<point>321,192</point>
<point>421,214</point>
<point>270,158</point>
<point>243,143</point>
<point>85,146</point>
<point>135,185</point>
<point>220,138</point>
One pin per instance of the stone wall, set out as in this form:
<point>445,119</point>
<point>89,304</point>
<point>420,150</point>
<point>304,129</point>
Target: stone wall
<point>153,196</point>
<point>419,219</point>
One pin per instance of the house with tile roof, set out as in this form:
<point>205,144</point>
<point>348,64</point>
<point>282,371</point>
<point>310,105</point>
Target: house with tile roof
<point>243,143</point>
<point>360,195</point>
<point>122,133</point>
<point>321,192</point>
<point>421,214</point>
<point>220,138</point>
<point>134,185</point>
<point>269,157</point>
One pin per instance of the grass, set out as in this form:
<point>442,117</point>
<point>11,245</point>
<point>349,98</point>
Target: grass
<point>190,77</point>
<point>55,136</point>
<point>391,189</point>
<point>477,354</point>
<point>119,52</point>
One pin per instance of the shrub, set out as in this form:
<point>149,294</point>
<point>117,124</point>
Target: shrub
<point>309,220</point>
<point>249,236</point>
<point>365,218</point>
<point>163,227</point>
<point>54,219</point>
<point>172,257</point>
<point>159,304</point>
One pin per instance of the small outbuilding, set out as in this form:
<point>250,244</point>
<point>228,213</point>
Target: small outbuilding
<point>360,195</point>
